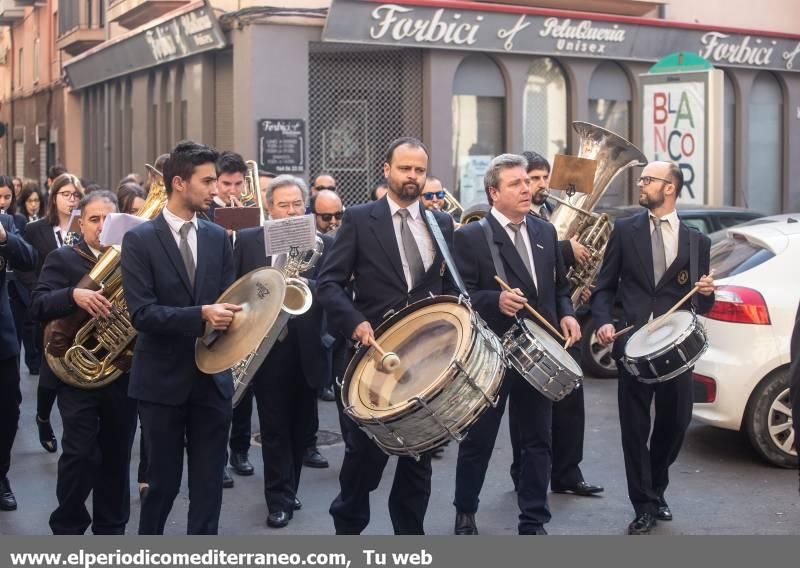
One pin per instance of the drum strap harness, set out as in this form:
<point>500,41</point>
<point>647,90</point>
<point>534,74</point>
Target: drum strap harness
<point>436,231</point>
<point>493,250</point>
<point>694,260</point>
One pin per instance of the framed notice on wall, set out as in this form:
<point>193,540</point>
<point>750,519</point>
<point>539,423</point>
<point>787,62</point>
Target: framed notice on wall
<point>282,145</point>
<point>682,123</point>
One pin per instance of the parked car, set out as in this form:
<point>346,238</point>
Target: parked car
<point>742,381</point>
<point>596,359</point>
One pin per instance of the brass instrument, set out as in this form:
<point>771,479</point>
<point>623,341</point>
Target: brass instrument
<point>613,154</point>
<point>251,194</point>
<point>88,352</point>
<point>451,205</point>
<point>262,321</point>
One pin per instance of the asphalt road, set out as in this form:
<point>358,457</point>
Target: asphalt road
<point>718,485</point>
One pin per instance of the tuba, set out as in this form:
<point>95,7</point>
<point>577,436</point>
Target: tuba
<point>575,216</point>
<point>251,194</point>
<point>88,352</point>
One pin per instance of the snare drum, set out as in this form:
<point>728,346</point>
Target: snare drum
<point>451,368</point>
<point>541,360</point>
<point>668,350</point>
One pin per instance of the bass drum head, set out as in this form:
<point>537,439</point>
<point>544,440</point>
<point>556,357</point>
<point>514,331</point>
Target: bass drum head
<point>645,342</point>
<point>553,348</point>
<point>427,340</point>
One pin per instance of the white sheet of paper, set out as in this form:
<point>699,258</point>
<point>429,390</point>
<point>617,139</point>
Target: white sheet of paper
<point>115,227</point>
<point>282,235</point>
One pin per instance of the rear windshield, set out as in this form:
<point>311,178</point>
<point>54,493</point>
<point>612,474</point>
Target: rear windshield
<point>735,255</point>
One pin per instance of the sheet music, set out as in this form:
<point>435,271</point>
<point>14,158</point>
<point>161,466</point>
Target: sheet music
<point>282,235</point>
<point>115,227</point>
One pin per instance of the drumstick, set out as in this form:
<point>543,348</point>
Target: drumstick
<point>389,360</point>
<point>622,331</point>
<point>656,323</point>
<point>528,307</point>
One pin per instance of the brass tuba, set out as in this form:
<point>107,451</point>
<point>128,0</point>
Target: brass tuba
<point>88,352</point>
<point>251,194</point>
<point>575,216</point>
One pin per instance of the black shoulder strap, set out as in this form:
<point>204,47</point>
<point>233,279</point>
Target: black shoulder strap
<point>694,258</point>
<point>493,250</point>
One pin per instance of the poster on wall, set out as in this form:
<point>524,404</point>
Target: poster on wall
<point>281,145</point>
<point>681,123</point>
<point>470,178</point>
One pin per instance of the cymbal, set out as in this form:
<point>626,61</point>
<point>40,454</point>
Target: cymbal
<point>260,293</point>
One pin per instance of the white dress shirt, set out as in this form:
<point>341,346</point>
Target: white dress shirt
<point>669,230</point>
<point>175,223</point>
<point>505,222</point>
<point>420,232</point>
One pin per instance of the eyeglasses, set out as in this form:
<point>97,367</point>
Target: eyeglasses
<point>428,195</point>
<point>328,217</point>
<point>321,187</point>
<point>69,194</point>
<point>647,180</point>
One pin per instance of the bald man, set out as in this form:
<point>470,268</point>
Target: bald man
<point>327,208</point>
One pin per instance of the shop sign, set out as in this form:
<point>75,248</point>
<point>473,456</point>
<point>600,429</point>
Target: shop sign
<point>282,145</point>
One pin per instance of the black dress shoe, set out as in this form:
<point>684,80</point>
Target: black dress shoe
<point>313,458</point>
<point>465,524</point>
<point>227,480</point>
<point>581,488</point>
<point>663,513</point>
<point>7,500</point>
<point>539,531</point>
<point>642,524</point>
<point>241,464</point>
<point>327,394</point>
<point>297,504</point>
<point>279,519</point>
<point>46,436</point>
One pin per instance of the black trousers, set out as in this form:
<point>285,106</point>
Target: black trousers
<point>532,414</point>
<point>99,427</point>
<point>203,422</point>
<point>19,299</point>
<point>362,469</point>
<point>240,424</point>
<point>10,399</point>
<point>285,406</point>
<point>647,468</point>
<point>569,419</point>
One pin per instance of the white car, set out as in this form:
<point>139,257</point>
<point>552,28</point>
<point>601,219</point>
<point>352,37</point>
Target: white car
<point>742,381</point>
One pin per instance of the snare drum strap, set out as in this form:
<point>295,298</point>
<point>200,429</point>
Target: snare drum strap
<point>493,250</point>
<point>436,231</point>
<point>694,260</point>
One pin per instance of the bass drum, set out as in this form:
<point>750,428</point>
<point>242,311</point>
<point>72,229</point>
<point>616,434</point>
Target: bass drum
<point>451,368</point>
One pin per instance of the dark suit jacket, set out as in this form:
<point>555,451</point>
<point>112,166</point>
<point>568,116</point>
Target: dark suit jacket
<point>305,331</point>
<point>473,257</point>
<point>366,251</point>
<point>627,271</point>
<point>21,256</point>
<point>52,297</point>
<point>165,309</point>
<point>41,237</point>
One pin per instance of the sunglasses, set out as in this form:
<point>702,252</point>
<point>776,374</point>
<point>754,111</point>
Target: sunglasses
<point>321,187</point>
<point>428,195</point>
<point>328,217</point>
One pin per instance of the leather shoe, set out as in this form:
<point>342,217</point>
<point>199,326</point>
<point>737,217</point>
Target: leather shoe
<point>465,524</point>
<point>241,464</point>
<point>663,513</point>
<point>279,519</point>
<point>7,500</point>
<point>642,524</point>
<point>327,394</point>
<point>581,488</point>
<point>538,531</point>
<point>227,480</point>
<point>313,458</point>
<point>297,504</point>
<point>46,436</point>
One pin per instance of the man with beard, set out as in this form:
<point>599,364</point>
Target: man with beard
<point>384,258</point>
<point>648,266</point>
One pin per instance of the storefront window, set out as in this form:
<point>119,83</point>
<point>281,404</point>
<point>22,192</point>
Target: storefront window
<point>764,186</point>
<point>545,109</point>
<point>478,124</point>
<point>729,137</point>
<point>609,107</point>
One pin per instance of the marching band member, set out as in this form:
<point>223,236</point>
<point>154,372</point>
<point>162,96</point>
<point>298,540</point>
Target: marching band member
<point>384,258</point>
<point>96,421</point>
<point>173,269</point>
<point>432,194</point>
<point>21,256</point>
<point>647,266</point>
<point>527,248</point>
<point>285,386</point>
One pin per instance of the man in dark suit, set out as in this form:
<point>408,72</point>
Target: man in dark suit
<point>527,248</point>
<point>20,255</point>
<point>174,268</point>
<point>97,421</point>
<point>647,265</point>
<point>384,258</point>
<point>285,386</point>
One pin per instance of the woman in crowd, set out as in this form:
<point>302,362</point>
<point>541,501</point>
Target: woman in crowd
<point>29,201</point>
<point>130,197</point>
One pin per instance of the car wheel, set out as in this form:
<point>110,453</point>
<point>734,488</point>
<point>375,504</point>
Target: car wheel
<point>768,421</point>
<point>596,360</point>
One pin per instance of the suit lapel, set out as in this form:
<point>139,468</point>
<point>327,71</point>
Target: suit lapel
<point>203,248</point>
<point>438,257</point>
<point>681,259</point>
<point>643,245</point>
<point>171,248</point>
<point>509,252</point>
<point>540,262</point>
<point>383,229</point>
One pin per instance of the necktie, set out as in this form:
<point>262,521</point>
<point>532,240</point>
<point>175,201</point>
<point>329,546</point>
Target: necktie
<point>659,256</point>
<point>186,251</point>
<point>413,257</point>
<point>519,243</point>
<point>544,213</point>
